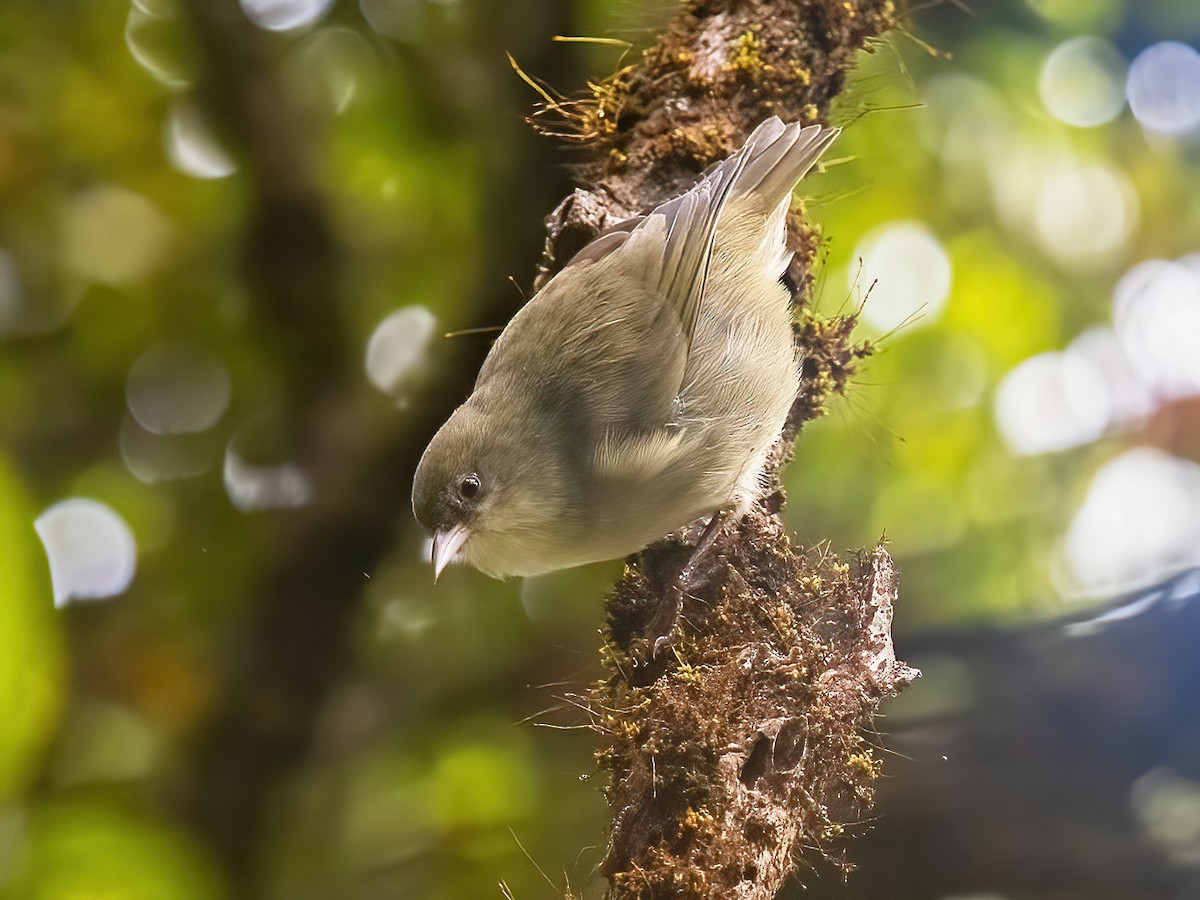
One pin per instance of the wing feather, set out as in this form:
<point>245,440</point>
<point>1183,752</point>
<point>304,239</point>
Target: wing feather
<point>766,168</point>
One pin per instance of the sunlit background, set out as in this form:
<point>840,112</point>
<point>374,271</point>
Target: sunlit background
<point>224,668</point>
<point>1026,246</point>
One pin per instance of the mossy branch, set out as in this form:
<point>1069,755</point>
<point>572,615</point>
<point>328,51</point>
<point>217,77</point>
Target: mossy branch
<point>749,742</point>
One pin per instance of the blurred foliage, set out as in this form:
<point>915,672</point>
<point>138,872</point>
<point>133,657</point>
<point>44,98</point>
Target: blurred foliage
<point>31,669</point>
<point>78,849</point>
<point>123,209</point>
<point>914,452</point>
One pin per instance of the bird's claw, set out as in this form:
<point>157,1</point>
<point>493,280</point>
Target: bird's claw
<point>662,642</point>
<point>666,619</point>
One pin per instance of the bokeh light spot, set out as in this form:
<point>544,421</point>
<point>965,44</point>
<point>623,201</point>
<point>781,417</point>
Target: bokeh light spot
<point>1128,397</point>
<point>177,388</point>
<point>285,15</point>
<point>1051,402</point>
<point>112,235</point>
<point>152,458</point>
<point>153,38</point>
<point>398,347</point>
<point>1139,521</point>
<point>191,147</point>
<point>1167,806</point>
<point>480,784</point>
<point>1082,82</point>
<point>254,488</point>
<point>1156,314</point>
<point>91,550</point>
<point>905,276</point>
<point>83,847</point>
<point>1164,88</point>
<point>1084,211</point>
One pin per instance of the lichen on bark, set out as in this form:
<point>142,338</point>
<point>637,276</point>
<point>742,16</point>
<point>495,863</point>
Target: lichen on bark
<point>748,741</point>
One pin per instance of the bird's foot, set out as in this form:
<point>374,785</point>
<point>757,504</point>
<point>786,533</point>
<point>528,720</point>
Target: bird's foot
<point>666,619</point>
<point>661,632</point>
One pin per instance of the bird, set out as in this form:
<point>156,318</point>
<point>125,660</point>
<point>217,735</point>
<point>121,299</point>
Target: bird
<point>640,390</point>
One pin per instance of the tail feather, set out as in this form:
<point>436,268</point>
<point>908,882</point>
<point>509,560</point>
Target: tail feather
<point>768,166</point>
<point>775,167</point>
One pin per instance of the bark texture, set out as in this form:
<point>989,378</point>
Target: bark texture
<point>748,744</point>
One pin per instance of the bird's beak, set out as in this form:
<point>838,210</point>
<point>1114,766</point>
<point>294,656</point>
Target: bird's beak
<point>446,544</point>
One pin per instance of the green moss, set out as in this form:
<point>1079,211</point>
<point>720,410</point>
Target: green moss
<point>747,56</point>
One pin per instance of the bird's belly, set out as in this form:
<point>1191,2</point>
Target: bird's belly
<point>627,519</point>
<point>650,513</point>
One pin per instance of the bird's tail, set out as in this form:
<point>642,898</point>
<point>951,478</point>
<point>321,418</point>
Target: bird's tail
<point>766,169</point>
<point>772,161</point>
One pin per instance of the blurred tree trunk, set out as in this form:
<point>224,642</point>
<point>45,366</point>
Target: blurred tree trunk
<point>296,649</point>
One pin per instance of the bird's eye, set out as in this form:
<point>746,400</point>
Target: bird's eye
<point>469,487</point>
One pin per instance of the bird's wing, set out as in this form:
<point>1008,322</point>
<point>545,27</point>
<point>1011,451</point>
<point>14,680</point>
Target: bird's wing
<point>767,167</point>
<point>605,344</point>
<point>597,354</point>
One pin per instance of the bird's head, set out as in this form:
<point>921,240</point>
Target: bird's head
<point>487,500</point>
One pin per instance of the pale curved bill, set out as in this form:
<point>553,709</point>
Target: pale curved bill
<point>446,544</point>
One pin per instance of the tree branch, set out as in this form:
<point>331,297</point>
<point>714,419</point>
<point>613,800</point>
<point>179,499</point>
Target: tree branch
<point>748,745</point>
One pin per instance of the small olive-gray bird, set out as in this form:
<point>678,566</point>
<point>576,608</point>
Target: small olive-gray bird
<point>640,389</point>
